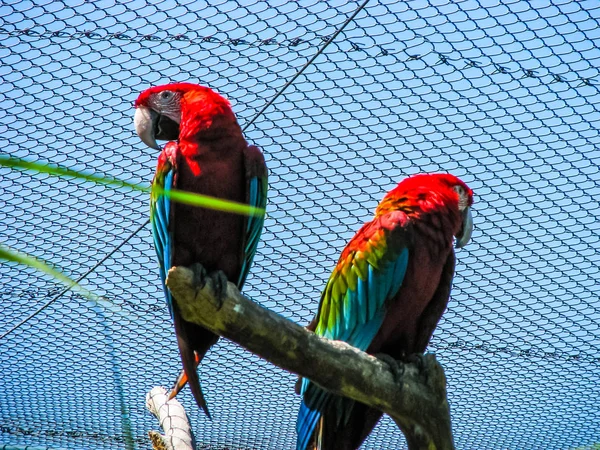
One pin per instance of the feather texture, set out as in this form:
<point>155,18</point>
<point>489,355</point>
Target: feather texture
<point>207,154</point>
<point>386,293</point>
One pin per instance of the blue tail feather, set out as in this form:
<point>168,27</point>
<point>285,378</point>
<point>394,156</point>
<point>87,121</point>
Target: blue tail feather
<point>314,403</point>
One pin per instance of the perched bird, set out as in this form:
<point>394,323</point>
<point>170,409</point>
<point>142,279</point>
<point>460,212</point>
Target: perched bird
<point>386,295</point>
<point>207,154</point>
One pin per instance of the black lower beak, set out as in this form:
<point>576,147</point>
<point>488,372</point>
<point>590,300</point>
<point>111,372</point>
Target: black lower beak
<point>166,129</point>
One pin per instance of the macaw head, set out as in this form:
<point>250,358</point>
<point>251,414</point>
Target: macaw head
<point>178,110</point>
<point>465,200</point>
<point>429,192</point>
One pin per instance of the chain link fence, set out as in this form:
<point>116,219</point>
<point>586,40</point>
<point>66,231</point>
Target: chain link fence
<point>345,99</point>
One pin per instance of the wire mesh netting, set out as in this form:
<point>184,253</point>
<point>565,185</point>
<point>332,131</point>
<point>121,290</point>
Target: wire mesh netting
<point>505,97</point>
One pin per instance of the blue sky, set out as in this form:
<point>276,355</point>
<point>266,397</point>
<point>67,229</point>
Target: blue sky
<point>504,96</point>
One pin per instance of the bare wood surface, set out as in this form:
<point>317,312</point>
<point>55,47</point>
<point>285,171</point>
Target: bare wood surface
<point>173,420</point>
<point>417,403</point>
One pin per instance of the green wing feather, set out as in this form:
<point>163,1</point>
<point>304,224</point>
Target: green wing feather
<point>369,273</point>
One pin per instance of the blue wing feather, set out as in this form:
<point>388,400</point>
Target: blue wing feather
<point>361,291</point>
<point>358,324</point>
<point>373,290</point>
<point>161,208</point>
<point>257,197</point>
<point>351,319</point>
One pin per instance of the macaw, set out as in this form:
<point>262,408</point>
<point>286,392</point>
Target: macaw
<point>386,295</point>
<point>207,154</point>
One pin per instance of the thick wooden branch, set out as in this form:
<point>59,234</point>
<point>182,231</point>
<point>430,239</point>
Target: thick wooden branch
<point>418,403</point>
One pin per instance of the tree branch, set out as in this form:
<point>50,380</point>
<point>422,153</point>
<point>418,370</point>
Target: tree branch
<point>418,403</point>
<point>173,420</point>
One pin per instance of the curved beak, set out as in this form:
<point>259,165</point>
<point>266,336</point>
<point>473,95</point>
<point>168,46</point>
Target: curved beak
<point>467,229</point>
<point>144,121</point>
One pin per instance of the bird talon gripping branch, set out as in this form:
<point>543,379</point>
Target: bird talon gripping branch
<point>199,275</point>
<point>396,366</point>
<point>219,288</point>
<point>417,359</point>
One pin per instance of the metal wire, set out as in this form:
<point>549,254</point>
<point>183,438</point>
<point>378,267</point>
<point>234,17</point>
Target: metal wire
<point>345,99</point>
<point>88,34</point>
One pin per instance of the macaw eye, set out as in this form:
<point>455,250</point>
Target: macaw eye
<point>166,95</point>
<point>463,198</point>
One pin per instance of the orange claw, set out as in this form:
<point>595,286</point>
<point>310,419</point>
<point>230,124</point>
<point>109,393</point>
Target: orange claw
<point>182,380</point>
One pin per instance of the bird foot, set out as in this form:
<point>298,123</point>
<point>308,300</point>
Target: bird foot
<point>417,359</point>
<point>397,367</point>
<point>199,275</point>
<point>216,280</point>
<point>219,286</point>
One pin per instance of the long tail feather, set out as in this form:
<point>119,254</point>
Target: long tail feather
<point>314,403</point>
<point>191,355</point>
<point>182,380</point>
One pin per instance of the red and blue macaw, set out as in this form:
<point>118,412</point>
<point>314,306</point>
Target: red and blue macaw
<point>207,154</point>
<point>386,295</point>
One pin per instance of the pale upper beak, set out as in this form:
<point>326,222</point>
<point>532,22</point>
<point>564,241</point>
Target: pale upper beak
<point>144,120</point>
<point>467,229</point>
